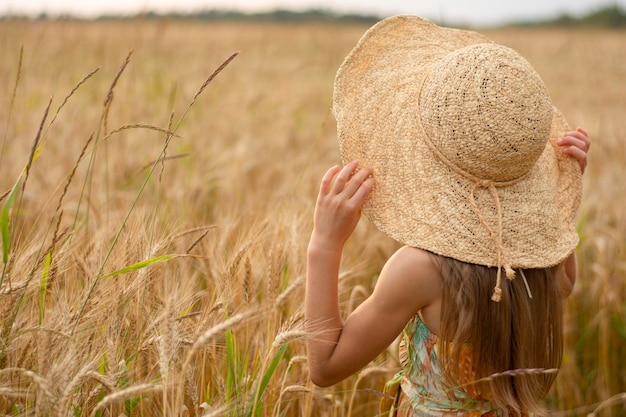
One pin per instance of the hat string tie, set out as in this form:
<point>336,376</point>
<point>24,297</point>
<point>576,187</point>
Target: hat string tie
<point>501,252</point>
<point>491,186</point>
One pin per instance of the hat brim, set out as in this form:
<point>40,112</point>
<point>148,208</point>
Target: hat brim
<point>418,200</point>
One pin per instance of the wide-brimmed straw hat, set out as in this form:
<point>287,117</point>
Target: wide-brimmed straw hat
<point>460,133</point>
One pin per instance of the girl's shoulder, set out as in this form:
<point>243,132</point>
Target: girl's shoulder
<point>413,272</point>
<point>414,262</point>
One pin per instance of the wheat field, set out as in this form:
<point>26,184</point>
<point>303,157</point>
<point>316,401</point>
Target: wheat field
<point>155,217</point>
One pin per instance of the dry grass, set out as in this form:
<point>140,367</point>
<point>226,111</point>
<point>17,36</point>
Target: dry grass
<point>156,264</point>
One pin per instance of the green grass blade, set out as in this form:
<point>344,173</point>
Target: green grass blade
<point>140,265</point>
<point>254,403</point>
<point>5,220</point>
<point>43,287</point>
<point>231,378</point>
<point>5,215</point>
<point>103,365</point>
<point>130,404</point>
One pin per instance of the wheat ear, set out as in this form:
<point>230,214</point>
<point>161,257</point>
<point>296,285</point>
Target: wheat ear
<point>124,394</point>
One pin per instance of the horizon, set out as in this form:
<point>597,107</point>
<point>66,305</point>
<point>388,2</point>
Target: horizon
<point>480,12</point>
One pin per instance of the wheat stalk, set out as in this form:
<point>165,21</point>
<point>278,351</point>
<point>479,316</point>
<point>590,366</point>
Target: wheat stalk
<point>210,412</point>
<point>12,103</point>
<point>55,236</point>
<point>42,345</point>
<point>213,75</point>
<point>41,382</point>
<point>124,394</point>
<point>9,393</point>
<point>363,374</point>
<point>371,370</point>
<point>215,331</point>
<point>6,193</point>
<point>141,126</point>
<point>608,402</point>
<point>208,336</point>
<point>284,296</point>
<point>109,98</point>
<point>204,86</point>
<point>71,93</point>
<point>66,396</point>
<point>198,240</point>
<point>35,146</point>
<point>296,388</point>
<point>290,389</point>
<point>191,389</point>
<point>110,386</point>
<point>234,264</point>
<point>288,336</point>
<point>512,372</point>
<point>298,359</point>
<point>168,340</point>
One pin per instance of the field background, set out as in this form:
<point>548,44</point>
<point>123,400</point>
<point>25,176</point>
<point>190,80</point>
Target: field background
<point>146,273</point>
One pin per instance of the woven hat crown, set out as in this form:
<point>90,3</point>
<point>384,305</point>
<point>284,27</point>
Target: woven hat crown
<point>486,111</point>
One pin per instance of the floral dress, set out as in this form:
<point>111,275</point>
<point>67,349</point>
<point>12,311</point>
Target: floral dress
<point>423,391</point>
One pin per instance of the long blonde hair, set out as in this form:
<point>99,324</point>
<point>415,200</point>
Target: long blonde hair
<point>519,334</point>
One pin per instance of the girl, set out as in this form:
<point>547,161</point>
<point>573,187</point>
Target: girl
<point>463,159</point>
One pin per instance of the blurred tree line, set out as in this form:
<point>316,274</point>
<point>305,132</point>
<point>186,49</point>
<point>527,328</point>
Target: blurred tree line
<point>612,16</point>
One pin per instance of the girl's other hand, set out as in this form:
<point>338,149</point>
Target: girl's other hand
<point>339,203</point>
<point>576,143</point>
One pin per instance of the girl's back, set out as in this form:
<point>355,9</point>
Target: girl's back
<point>521,333</point>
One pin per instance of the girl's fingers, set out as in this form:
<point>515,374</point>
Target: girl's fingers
<point>346,181</point>
<point>580,135</point>
<point>343,177</point>
<point>572,141</point>
<point>327,179</point>
<point>362,192</point>
<point>355,183</point>
<point>578,154</point>
<point>576,143</point>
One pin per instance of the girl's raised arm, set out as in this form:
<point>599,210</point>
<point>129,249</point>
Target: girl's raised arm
<point>407,282</point>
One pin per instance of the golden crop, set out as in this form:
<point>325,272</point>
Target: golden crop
<point>154,249</point>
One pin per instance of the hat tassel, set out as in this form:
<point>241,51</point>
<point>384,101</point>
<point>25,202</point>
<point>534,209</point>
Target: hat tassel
<point>497,291</point>
<point>509,272</point>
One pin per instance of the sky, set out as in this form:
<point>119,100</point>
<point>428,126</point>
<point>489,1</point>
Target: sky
<point>470,12</point>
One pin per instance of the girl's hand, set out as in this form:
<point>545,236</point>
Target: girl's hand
<point>576,143</point>
<point>339,203</point>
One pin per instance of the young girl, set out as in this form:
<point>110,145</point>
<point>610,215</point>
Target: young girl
<point>463,159</point>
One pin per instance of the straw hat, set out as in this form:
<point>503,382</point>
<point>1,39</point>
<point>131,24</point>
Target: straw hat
<point>460,133</point>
